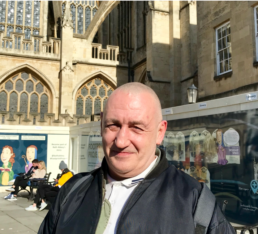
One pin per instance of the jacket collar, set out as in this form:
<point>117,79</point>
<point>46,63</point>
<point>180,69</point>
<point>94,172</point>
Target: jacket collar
<point>160,165</point>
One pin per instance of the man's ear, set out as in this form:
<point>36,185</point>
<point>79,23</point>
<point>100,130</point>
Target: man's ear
<point>161,131</point>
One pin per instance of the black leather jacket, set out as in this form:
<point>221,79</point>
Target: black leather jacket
<point>164,202</point>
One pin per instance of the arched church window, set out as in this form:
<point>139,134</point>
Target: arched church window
<point>10,15</point>
<point>2,11</point>
<point>73,9</point>
<point>80,20</point>
<point>19,14</point>
<point>87,17</point>
<point>36,14</point>
<point>3,101</point>
<point>32,94</point>
<point>92,96</point>
<point>28,8</point>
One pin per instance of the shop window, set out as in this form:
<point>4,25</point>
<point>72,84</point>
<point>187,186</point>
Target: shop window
<point>223,48</point>
<point>92,97</point>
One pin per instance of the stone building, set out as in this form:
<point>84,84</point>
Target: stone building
<point>61,59</point>
<point>227,48</point>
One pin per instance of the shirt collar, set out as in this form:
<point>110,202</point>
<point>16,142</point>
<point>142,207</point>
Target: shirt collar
<point>134,180</point>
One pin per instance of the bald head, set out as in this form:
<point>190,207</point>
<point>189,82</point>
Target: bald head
<point>136,89</point>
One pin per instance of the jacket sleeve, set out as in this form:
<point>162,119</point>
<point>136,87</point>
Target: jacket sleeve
<point>49,223</point>
<point>219,224</point>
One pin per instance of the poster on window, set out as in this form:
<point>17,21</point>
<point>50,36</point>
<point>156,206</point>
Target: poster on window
<point>17,153</point>
<point>95,152</point>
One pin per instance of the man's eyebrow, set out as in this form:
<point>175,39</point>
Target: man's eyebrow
<point>115,121</point>
<point>111,121</point>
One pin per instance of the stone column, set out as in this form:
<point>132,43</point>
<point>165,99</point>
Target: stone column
<point>67,72</point>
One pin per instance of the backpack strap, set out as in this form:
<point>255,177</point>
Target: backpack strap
<point>204,210</point>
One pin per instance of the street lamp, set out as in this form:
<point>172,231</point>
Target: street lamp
<point>192,94</point>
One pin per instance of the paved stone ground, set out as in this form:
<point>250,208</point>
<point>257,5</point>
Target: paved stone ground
<point>15,219</point>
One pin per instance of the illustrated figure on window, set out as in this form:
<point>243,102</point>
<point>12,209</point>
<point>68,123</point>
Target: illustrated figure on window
<point>31,154</point>
<point>101,155</point>
<point>221,148</point>
<point>7,158</point>
<point>210,149</point>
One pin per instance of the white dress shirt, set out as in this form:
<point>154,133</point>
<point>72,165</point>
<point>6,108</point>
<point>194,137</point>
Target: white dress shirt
<point>117,193</point>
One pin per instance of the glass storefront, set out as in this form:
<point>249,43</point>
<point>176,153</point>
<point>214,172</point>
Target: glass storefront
<point>222,151</point>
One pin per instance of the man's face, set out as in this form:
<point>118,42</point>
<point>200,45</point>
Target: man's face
<point>130,132</point>
<point>30,154</point>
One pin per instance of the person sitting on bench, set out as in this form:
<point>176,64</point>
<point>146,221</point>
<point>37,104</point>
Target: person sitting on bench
<point>36,174</point>
<point>48,191</point>
<point>23,178</point>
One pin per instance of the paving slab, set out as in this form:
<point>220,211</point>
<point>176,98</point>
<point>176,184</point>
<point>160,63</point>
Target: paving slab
<point>15,219</point>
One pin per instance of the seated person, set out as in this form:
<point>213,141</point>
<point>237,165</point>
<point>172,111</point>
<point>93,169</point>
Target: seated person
<point>37,174</point>
<point>23,178</point>
<point>48,191</point>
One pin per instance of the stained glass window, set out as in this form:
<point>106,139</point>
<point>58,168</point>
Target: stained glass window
<point>28,7</point>
<point>80,20</point>
<point>79,106</point>
<point>97,106</point>
<point>88,106</point>
<point>19,16</point>
<point>13,103</point>
<point>2,11</point>
<point>87,17</point>
<point>3,101</point>
<point>2,27</point>
<point>24,103</point>
<point>84,91</point>
<point>104,103</point>
<point>10,14</point>
<point>29,86</point>
<point>14,78</point>
<point>34,103</point>
<point>27,32</point>
<point>110,92</point>
<point>35,32</point>
<point>9,30</point>
<point>39,88</point>
<point>36,13</point>
<point>94,11</point>
<point>18,29</point>
<point>24,75</point>
<point>102,92</point>
<point>93,91</point>
<point>73,11</point>
<point>8,85</point>
<point>19,85</point>
<point>63,8</point>
<point>43,105</point>
<point>97,81</point>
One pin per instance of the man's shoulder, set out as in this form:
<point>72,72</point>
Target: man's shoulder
<point>183,179</point>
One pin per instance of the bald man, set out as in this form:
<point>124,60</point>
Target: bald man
<point>135,191</point>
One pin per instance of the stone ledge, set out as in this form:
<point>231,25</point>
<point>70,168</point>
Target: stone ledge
<point>225,76</point>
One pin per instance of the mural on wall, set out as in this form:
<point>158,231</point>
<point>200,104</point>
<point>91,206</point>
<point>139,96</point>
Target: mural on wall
<point>18,152</point>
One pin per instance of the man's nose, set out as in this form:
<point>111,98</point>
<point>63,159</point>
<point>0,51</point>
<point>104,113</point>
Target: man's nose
<point>122,138</point>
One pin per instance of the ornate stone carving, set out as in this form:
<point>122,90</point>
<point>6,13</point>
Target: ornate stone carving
<point>67,68</point>
<point>67,17</point>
